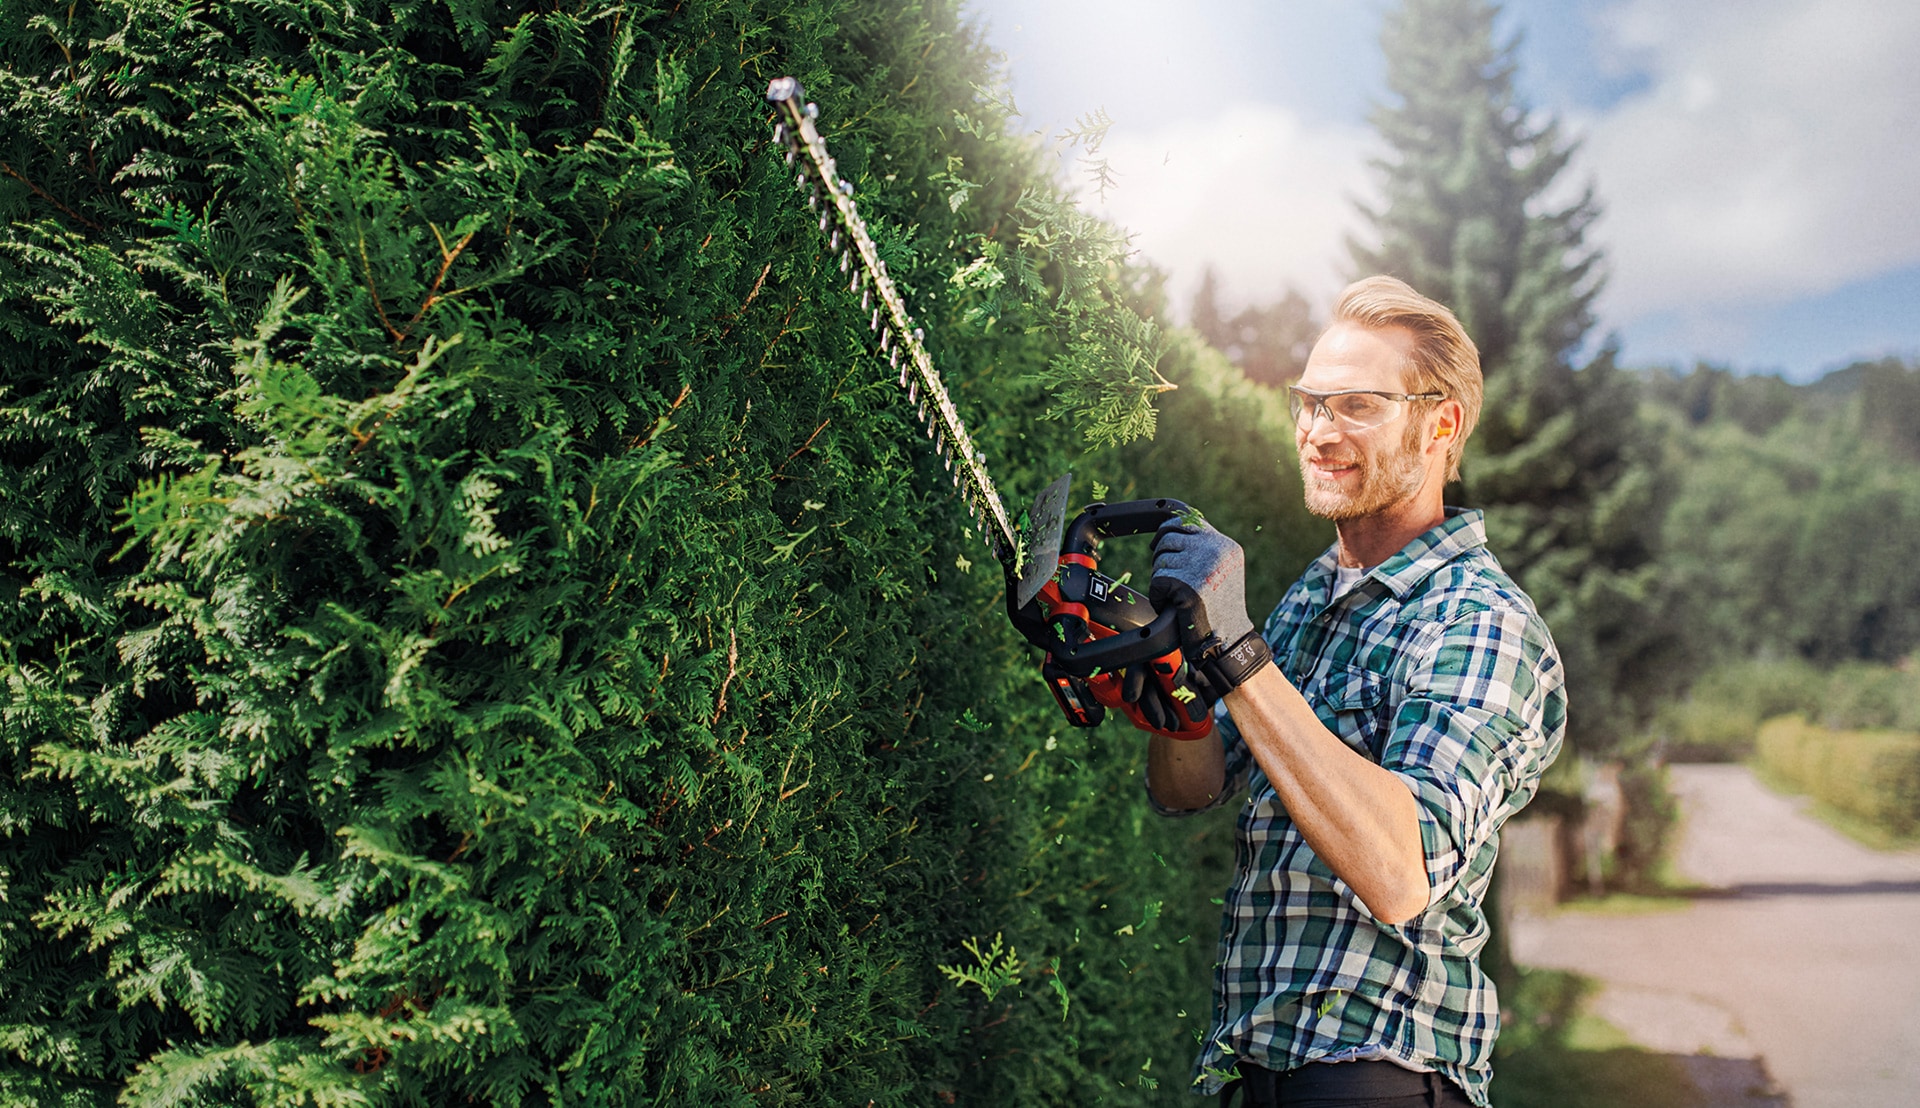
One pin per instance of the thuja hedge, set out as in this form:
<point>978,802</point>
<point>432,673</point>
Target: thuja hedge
<point>477,628</point>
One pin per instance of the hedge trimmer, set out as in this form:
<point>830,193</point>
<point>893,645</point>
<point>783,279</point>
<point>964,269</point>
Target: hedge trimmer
<point>1090,626</point>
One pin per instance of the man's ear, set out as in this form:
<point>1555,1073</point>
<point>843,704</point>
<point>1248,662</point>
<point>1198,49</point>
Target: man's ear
<point>1446,418</point>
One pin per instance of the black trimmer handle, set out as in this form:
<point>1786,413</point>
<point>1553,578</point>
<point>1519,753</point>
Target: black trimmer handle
<point>1107,521</point>
<point>1128,648</point>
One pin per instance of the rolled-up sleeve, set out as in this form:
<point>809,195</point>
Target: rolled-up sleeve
<point>1484,715</point>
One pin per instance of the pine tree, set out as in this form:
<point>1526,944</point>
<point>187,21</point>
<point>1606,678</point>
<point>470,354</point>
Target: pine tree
<point>1559,461</point>
<point>1269,342</point>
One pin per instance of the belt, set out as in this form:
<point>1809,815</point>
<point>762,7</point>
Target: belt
<point>1324,1081</point>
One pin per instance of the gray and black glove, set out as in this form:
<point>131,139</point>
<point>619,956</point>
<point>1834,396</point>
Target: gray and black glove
<point>1138,687</point>
<point>1203,573</point>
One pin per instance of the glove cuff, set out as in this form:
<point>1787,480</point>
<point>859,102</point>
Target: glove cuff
<point>1227,668</point>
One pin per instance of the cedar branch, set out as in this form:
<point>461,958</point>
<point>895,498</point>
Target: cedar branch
<point>446,263</point>
<point>778,473</point>
<point>733,656</point>
<point>366,272</point>
<point>47,196</point>
<point>641,441</point>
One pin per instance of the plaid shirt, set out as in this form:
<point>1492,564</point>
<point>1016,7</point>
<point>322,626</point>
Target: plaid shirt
<point>1437,667</point>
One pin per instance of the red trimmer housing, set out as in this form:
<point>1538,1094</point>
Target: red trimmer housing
<point>1092,627</point>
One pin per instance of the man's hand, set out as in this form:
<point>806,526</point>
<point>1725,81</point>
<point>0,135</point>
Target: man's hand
<point>1203,574</point>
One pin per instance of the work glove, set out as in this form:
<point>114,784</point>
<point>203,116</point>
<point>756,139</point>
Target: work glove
<point>1203,574</point>
<point>1137,687</point>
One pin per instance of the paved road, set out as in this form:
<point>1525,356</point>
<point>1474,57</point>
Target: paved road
<point>1807,956</point>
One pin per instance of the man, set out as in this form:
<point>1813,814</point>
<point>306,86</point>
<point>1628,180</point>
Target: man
<point>1410,702</point>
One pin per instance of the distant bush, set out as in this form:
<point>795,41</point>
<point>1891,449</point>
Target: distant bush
<point>1719,717</point>
<point>1651,814</point>
<point>1701,730</point>
<point>1871,774</point>
<point>1721,714</point>
<point>1861,695</point>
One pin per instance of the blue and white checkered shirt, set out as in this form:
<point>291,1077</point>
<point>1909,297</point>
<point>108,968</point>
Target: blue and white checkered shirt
<point>1437,667</point>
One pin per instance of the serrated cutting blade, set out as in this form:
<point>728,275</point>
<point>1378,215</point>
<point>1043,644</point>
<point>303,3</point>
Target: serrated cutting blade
<point>796,132</point>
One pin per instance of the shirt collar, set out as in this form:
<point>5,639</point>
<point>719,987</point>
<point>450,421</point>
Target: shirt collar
<point>1462,530</point>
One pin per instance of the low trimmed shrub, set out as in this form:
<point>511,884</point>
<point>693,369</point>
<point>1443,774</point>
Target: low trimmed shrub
<point>1873,775</point>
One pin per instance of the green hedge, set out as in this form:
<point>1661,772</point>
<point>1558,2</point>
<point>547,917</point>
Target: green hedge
<point>479,629</point>
<point>1872,775</point>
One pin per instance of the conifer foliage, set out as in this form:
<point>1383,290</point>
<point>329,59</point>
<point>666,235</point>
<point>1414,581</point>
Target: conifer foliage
<point>478,628</point>
<point>1467,216</point>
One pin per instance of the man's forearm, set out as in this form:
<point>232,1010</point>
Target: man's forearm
<point>1359,818</point>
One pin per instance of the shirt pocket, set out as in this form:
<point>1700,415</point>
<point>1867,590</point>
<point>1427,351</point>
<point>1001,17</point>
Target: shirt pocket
<point>1351,702</point>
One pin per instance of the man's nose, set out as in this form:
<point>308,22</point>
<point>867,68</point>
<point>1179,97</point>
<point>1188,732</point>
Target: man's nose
<point>1318,426</point>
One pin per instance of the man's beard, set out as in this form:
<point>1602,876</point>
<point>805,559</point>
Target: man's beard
<point>1385,480</point>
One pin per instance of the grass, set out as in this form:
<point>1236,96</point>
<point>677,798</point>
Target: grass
<point>1675,899</point>
<point>1554,1055</point>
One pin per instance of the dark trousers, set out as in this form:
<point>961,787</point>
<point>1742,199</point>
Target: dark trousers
<point>1344,1085</point>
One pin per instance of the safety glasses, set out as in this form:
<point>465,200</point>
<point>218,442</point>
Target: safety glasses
<point>1351,409</point>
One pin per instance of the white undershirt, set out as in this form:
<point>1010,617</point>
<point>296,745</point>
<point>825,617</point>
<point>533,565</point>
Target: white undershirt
<point>1345,578</point>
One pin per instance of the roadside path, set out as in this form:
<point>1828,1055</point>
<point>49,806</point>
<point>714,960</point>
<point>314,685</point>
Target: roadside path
<point>1806,954</point>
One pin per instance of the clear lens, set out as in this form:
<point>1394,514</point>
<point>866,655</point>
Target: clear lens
<point>1350,411</point>
<point>1360,410</point>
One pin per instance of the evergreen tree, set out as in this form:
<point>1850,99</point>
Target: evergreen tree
<point>1269,342</point>
<point>1559,460</point>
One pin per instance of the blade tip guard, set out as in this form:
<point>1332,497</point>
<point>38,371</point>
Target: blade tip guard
<point>1045,523</point>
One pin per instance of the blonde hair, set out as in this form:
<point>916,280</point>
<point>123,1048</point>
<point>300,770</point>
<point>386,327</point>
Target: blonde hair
<point>1443,360</point>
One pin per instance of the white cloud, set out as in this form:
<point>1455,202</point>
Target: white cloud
<point>1249,189</point>
<point>1214,166</point>
<point>1771,156</point>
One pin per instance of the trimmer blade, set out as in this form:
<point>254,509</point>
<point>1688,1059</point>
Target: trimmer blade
<point>902,343</point>
<point>1046,522</point>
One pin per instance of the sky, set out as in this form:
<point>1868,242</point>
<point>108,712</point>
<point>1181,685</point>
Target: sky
<point>1757,161</point>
